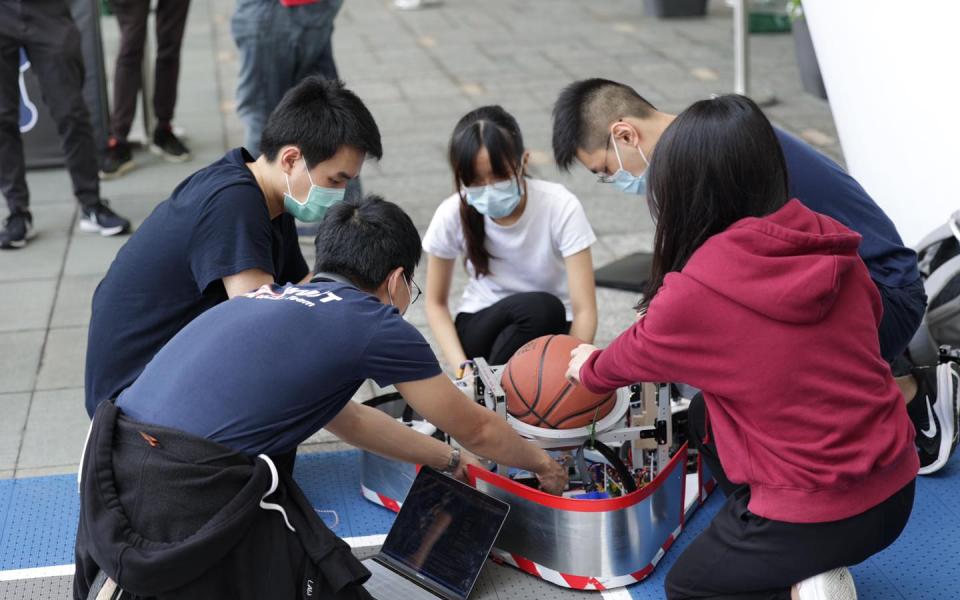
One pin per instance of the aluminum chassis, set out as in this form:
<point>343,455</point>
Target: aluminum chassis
<point>580,544</point>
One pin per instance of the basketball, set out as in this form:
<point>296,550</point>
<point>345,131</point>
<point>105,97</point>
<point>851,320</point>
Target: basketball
<point>538,392</point>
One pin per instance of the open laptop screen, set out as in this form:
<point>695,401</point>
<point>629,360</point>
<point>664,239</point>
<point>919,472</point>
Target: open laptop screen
<point>445,530</point>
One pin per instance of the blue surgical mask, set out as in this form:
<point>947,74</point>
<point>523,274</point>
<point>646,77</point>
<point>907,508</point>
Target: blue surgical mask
<point>627,181</point>
<point>497,200</point>
<point>319,199</point>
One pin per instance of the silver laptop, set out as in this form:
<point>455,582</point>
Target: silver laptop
<point>438,543</point>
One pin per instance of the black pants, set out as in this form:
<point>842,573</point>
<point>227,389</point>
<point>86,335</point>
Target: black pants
<point>743,556</point>
<point>495,333</point>
<point>171,19</point>
<point>46,31</point>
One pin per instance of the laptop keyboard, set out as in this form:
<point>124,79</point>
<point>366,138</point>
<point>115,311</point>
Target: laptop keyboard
<point>386,584</point>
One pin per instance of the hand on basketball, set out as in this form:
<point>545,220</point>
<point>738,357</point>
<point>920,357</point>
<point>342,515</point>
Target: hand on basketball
<point>578,356</point>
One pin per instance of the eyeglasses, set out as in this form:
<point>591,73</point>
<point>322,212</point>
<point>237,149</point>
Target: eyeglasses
<point>603,177</point>
<point>416,288</point>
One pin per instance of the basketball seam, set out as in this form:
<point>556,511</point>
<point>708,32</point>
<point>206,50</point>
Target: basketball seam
<point>530,409</point>
<point>543,359</point>
<point>583,412</point>
<point>557,399</point>
<point>517,390</point>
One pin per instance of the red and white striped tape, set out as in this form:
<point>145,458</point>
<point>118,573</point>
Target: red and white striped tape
<point>582,582</point>
<point>380,499</point>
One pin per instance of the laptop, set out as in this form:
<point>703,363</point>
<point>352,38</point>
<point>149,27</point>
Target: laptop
<point>438,543</point>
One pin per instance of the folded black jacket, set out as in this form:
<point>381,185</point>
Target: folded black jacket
<point>168,515</point>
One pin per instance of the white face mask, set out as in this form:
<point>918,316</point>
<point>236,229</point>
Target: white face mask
<point>409,295</point>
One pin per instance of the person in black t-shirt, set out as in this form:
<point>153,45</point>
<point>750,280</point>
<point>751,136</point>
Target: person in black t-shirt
<point>226,230</point>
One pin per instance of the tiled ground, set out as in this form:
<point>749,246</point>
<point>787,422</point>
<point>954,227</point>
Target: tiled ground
<point>418,71</point>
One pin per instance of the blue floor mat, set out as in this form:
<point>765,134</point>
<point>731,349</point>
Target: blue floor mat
<point>38,519</point>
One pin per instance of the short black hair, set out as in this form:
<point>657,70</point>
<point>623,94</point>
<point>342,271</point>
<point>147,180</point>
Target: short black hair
<point>584,111</point>
<point>363,239</point>
<point>320,116</point>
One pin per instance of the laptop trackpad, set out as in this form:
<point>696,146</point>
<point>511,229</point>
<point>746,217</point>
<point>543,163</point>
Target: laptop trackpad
<point>386,584</point>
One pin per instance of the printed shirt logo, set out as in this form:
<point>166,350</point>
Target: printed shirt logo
<point>303,296</point>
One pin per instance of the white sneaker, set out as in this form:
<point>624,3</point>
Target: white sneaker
<point>415,4</point>
<point>832,585</point>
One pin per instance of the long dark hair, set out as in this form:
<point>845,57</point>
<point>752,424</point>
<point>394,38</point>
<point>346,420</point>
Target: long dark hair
<point>718,162</point>
<point>495,129</point>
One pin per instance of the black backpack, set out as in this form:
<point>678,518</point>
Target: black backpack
<point>938,255</point>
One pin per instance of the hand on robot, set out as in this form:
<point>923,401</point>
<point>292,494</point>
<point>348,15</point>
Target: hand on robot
<point>578,356</point>
<point>466,459</point>
<point>553,477</point>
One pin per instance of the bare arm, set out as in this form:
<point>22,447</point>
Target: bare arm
<point>374,430</point>
<point>480,430</point>
<point>439,276</point>
<point>246,281</point>
<point>583,295</point>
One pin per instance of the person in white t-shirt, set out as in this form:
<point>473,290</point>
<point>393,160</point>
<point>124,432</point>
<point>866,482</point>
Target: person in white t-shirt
<point>525,244</point>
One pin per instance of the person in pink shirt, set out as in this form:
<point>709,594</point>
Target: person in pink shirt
<point>767,307</point>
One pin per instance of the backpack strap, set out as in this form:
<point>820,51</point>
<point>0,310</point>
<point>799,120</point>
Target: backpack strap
<point>924,350</point>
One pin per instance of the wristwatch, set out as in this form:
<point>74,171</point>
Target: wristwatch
<point>454,461</point>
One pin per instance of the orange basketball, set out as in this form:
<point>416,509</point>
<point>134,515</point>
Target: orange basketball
<point>537,389</point>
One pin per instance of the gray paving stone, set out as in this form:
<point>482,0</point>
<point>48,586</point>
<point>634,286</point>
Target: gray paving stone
<point>13,407</point>
<point>91,254</point>
<point>418,72</point>
<point>56,428</point>
<point>72,307</point>
<point>63,359</point>
<point>42,258</point>
<point>19,359</point>
<point>26,304</point>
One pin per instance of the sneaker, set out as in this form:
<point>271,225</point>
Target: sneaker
<point>17,229</point>
<point>415,4</point>
<point>100,219</point>
<point>168,145</point>
<point>832,585</point>
<point>939,426</point>
<point>117,159</point>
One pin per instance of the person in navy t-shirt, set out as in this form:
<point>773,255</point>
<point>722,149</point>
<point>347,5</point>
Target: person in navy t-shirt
<point>613,132</point>
<point>225,230</point>
<point>264,371</point>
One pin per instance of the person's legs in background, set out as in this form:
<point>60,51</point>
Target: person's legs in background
<point>17,227</point>
<point>316,39</point>
<point>53,48</point>
<point>131,18</point>
<point>930,391</point>
<point>268,59</point>
<point>497,332</point>
<point>171,22</point>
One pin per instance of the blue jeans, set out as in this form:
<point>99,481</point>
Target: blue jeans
<point>279,46</point>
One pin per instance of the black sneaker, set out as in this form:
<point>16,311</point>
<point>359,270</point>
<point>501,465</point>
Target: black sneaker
<point>17,229</point>
<point>100,219</point>
<point>938,420</point>
<point>168,145</point>
<point>117,159</point>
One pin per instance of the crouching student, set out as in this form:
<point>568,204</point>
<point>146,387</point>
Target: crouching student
<point>178,496</point>
<point>525,245</point>
<point>766,307</point>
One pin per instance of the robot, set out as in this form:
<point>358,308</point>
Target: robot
<point>633,486</point>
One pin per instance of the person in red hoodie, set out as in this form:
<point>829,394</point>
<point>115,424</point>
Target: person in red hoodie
<point>766,306</point>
